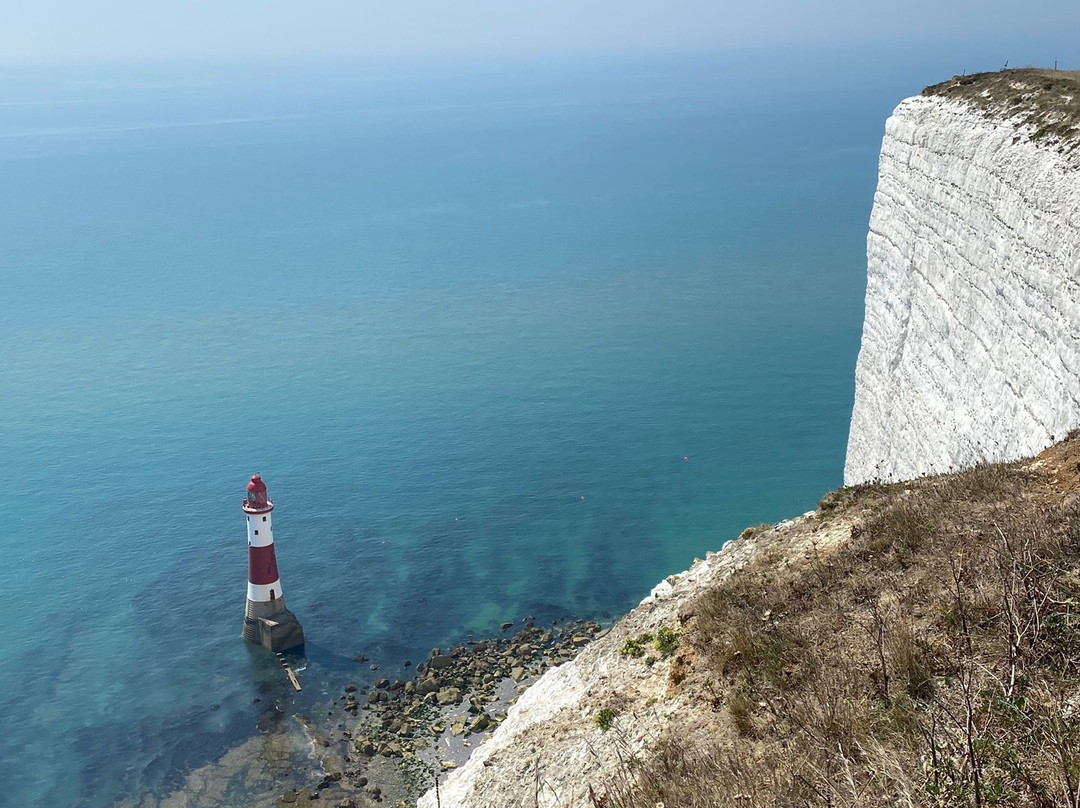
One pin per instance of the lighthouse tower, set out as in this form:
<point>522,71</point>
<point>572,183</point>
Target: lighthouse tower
<point>266,620</point>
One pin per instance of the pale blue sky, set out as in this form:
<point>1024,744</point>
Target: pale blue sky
<point>121,30</point>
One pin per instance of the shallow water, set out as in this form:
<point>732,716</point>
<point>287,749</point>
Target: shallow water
<point>502,343</point>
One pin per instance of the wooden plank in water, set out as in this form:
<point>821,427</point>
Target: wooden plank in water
<point>292,678</point>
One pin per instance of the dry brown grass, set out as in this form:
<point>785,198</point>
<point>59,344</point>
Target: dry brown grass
<point>1047,100</point>
<point>932,660</point>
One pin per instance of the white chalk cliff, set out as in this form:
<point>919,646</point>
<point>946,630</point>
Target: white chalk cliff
<point>971,342</point>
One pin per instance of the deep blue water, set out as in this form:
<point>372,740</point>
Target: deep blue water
<point>502,342</point>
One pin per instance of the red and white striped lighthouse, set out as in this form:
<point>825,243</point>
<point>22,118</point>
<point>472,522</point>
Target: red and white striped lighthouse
<point>266,620</point>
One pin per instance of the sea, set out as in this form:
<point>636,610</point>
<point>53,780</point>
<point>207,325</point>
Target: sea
<point>506,340</point>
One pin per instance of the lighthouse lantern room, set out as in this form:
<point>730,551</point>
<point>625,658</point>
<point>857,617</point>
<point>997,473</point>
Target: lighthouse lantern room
<point>267,621</point>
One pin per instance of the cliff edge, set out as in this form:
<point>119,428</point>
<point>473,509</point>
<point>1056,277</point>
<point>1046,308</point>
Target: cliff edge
<point>568,738</point>
<point>971,339</point>
<point>906,643</point>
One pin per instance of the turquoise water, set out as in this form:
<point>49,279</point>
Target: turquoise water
<point>502,343</point>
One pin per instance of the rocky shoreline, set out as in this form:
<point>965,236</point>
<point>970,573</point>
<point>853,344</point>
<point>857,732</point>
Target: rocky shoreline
<point>388,742</point>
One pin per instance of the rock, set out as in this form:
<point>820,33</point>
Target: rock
<point>449,695</point>
<point>457,727</point>
<point>348,802</point>
<point>449,764</point>
<point>289,796</point>
<point>440,662</point>
<point>348,688</point>
<point>382,684</point>
<point>517,674</point>
<point>480,723</point>
<point>428,685</point>
<point>505,626</point>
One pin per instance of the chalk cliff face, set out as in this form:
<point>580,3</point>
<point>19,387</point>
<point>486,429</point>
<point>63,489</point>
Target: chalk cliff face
<point>971,342</point>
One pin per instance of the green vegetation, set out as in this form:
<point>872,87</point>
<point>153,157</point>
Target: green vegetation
<point>605,718</point>
<point>634,647</point>
<point>665,641</point>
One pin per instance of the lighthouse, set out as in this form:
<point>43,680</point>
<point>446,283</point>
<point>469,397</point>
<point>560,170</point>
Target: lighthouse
<point>266,620</point>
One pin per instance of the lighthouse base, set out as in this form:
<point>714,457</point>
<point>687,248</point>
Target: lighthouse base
<point>272,626</point>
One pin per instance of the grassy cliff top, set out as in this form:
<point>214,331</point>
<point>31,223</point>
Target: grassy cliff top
<point>930,658</point>
<point>1046,100</point>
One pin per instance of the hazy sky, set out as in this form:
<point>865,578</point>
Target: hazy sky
<point>109,30</point>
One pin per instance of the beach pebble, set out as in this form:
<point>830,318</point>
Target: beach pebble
<point>440,662</point>
<point>449,695</point>
<point>428,685</point>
